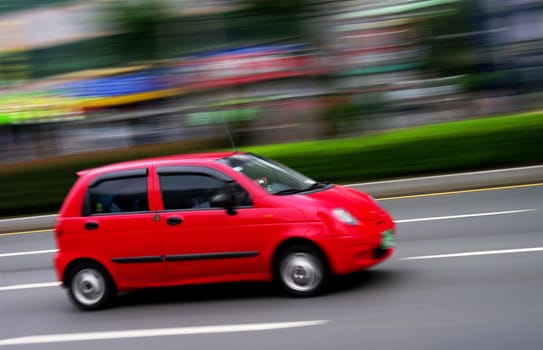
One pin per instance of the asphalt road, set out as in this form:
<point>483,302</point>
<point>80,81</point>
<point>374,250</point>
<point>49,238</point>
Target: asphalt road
<point>468,274</point>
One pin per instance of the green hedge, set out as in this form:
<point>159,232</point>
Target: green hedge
<point>40,186</point>
<point>456,146</point>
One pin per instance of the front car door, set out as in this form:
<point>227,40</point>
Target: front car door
<point>201,242</point>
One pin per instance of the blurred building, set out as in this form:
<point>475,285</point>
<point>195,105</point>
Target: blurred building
<point>511,34</point>
<point>376,44</point>
<point>338,68</point>
<point>380,63</point>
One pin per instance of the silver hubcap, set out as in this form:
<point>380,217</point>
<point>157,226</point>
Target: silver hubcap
<point>301,272</point>
<point>88,286</point>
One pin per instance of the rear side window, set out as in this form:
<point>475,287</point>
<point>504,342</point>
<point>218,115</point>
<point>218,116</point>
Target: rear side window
<point>117,195</point>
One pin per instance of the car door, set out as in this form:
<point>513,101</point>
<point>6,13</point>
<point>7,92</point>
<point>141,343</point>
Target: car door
<point>119,226</point>
<point>202,242</point>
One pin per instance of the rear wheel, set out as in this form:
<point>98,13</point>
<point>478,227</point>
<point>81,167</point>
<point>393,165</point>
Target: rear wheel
<point>90,287</point>
<point>302,271</point>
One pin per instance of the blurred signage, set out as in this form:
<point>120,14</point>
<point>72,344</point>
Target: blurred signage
<point>121,85</point>
<point>224,116</point>
<point>246,65</point>
<point>213,69</point>
<point>120,89</point>
<point>25,108</point>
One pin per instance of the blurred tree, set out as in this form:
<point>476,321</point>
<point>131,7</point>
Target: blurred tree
<point>138,23</point>
<point>287,13</point>
<point>277,8</point>
<point>447,36</point>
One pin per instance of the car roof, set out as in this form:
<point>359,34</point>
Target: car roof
<point>163,160</point>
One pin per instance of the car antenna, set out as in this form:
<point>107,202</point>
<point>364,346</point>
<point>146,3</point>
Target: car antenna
<point>229,134</point>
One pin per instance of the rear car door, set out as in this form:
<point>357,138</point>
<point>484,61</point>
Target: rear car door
<point>119,226</point>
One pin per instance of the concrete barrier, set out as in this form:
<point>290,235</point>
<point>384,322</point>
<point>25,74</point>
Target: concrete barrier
<point>453,182</point>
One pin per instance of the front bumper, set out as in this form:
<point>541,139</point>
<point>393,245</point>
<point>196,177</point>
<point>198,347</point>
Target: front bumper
<point>352,253</point>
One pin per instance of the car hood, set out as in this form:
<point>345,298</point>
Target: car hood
<point>359,204</point>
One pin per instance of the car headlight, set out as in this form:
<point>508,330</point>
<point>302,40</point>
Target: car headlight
<point>345,217</point>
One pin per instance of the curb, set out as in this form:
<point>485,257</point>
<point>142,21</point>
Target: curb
<point>398,187</point>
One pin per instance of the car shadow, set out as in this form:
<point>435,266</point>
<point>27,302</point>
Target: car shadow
<point>197,293</point>
<point>359,281</point>
<point>365,280</point>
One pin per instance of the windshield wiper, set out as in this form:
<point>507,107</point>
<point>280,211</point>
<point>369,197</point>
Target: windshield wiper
<point>318,185</point>
<point>315,186</point>
<point>289,191</point>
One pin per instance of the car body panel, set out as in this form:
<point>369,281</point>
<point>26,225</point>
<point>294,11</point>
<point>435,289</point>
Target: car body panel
<point>159,247</point>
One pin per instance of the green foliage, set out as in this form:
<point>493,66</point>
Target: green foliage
<point>80,55</point>
<point>353,115</point>
<point>140,25</point>
<point>277,8</point>
<point>36,187</point>
<point>144,30</point>
<point>13,68</point>
<point>40,186</point>
<point>271,17</point>
<point>449,50</point>
<point>464,145</point>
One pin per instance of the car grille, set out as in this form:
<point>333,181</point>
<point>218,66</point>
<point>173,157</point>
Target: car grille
<point>379,252</point>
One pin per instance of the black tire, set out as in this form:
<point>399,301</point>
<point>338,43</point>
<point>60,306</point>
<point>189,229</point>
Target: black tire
<point>302,271</point>
<point>90,286</point>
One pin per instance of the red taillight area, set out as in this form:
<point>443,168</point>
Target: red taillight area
<point>58,230</point>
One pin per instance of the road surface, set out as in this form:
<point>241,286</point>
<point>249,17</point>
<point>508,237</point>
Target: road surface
<point>468,274</point>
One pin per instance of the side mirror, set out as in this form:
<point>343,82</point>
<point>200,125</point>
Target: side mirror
<point>224,200</point>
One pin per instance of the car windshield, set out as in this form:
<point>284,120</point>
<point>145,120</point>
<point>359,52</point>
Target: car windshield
<point>274,177</point>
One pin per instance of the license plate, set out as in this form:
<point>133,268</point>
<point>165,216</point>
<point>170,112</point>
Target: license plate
<point>387,239</point>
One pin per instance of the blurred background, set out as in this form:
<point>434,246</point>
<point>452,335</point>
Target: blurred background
<point>82,76</point>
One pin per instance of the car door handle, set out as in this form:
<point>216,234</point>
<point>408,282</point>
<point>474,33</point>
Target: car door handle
<point>91,225</point>
<point>174,220</point>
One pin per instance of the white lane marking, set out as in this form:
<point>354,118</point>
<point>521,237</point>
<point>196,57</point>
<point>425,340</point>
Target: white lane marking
<point>32,252</point>
<point>3,255</point>
<point>423,257</point>
<point>158,332</point>
<point>486,252</point>
<point>466,215</point>
<point>29,286</point>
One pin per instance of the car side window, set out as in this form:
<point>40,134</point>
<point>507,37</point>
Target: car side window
<point>117,195</point>
<point>194,191</point>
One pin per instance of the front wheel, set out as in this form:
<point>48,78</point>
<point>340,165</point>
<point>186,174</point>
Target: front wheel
<point>90,287</point>
<point>302,271</point>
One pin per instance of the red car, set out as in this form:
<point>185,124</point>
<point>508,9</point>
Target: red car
<point>207,218</point>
